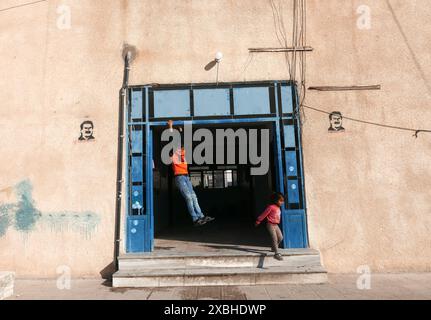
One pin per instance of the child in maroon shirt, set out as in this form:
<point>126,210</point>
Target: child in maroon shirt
<point>272,215</point>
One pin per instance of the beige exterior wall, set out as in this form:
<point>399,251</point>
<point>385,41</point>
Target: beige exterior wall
<point>368,190</point>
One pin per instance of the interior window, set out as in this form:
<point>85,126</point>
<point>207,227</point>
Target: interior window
<point>196,179</point>
<point>217,179</point>
<point>208,179</point>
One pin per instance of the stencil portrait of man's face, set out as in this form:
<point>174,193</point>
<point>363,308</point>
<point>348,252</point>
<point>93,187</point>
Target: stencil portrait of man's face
<point>336,121</point>
<point>87,128</point>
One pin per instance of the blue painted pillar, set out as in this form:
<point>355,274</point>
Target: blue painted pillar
<point>139,175</point>
<point>294,222</point>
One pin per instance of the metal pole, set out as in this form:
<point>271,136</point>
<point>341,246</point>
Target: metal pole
<point>122,116</point>
<point>218,64</point>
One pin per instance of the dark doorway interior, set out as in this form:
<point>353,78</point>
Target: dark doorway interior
<point>227,192</point>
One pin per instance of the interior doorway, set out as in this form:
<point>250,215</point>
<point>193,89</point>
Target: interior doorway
<point>154,209</point>
<point>227,192</point>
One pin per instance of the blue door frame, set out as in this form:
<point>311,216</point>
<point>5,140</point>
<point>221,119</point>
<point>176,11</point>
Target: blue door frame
<point>142,117</point>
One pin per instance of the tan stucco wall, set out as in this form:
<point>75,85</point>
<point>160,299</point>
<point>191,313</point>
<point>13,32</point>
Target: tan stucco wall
<point>367,189</point>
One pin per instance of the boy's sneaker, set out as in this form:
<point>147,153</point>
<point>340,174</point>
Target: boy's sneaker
<point>199,222</point>
<point>278,257</point>
<point>208,219</point>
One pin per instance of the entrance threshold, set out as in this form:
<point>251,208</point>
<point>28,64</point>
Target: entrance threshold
<point>233,266</point>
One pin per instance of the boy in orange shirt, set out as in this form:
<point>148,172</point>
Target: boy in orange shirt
<point>182,181</point>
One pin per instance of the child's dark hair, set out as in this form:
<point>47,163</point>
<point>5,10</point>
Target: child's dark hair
<point>276,196</point>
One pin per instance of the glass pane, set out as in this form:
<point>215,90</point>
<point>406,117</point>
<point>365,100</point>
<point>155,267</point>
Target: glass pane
<point>208,179</point>
<point>235,178</point>
<point>171,103</point>
<point>196,179</point>
<point>228,178</point>
<point>218,180</point>
<point>250,101</point>
<point>211,102</point>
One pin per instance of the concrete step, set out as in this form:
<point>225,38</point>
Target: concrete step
<point>6,284</point>
<point>221,259</point>
<point>220,268</point>
<point>218,277</point>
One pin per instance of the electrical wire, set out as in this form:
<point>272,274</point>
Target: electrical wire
<point>299,39</point>
<point>303,68</point>
<point>283,31</point>
<point>247,64</point>
<point>22,5</point>
<point>416,131</point>
<point>280,31</point>
<point>409,47</point>
<point>294,38</point>
<point>302,57</point>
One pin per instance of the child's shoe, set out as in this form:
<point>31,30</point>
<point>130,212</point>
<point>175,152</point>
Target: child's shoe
<point>199,223</point>
<point>208,219</point>
<point>278,257</point>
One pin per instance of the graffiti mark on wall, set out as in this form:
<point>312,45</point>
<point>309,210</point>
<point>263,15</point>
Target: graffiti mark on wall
<point>24,216</point>
<point>87,131</point>
<point>84,223</point>
<point>336,122</point>
<point>5,218</point>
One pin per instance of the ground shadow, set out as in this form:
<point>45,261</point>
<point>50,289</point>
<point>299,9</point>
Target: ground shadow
<point>263,254</point>
<point>107,283</point>
<point>108,271</point>
<point>219,232</point>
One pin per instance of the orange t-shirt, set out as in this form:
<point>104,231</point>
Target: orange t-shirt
<point>179,163</point>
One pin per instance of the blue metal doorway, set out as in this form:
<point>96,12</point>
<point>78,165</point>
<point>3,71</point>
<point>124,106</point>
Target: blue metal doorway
<point>271,102</point>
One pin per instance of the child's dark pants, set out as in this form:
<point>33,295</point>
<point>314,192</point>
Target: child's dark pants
<point>276,235</point>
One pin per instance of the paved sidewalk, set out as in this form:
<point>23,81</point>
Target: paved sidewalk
<point>344,287</point>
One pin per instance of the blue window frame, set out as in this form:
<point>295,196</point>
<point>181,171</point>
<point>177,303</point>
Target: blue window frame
<point>272,101</point>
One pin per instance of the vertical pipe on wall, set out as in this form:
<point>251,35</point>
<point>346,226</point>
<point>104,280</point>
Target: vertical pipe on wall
<point>121,118</point>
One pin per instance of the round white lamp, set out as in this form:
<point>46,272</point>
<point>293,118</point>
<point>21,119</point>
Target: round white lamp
<point>218,56</point>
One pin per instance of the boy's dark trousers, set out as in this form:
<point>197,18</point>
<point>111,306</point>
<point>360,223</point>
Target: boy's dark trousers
<point>276,235</point>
